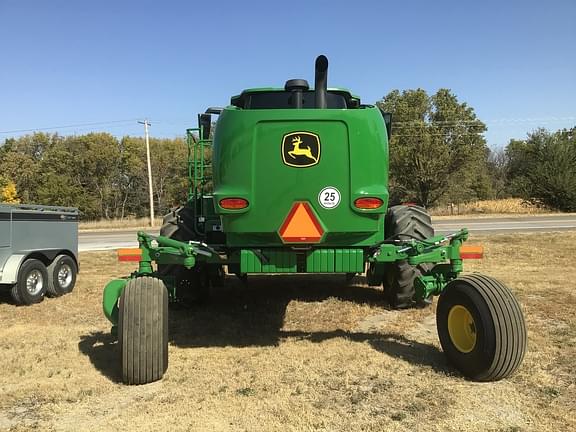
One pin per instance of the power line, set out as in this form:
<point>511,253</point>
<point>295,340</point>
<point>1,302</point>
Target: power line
<point>396,124</point>
<point>478,121</point>
<point>69,126</point>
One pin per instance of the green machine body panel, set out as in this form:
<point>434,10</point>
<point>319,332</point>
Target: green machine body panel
<point>249,164</point>
<point>335,261</point>
<point>270,261</point>
<point>321,260</point>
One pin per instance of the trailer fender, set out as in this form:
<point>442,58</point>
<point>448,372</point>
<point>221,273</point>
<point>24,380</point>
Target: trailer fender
<point>112,293</point>
<point>9,274</point>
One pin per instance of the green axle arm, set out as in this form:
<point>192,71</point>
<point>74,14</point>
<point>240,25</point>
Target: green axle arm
<point>162,250</point>
<point>444,251</point>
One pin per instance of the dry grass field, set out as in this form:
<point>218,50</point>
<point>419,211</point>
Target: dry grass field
<point>118,224</point>
<point>304,353</point>
<point>505,206</point>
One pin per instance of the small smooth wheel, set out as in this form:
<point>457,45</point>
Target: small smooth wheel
<point>143,330</point>
<point>481,327</point>
<point>61,276</point>
<point>31,285</point>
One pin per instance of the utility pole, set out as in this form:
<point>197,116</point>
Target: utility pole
<point>146,124</point>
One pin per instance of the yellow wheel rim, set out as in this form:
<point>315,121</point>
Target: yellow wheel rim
<point>462,329</point>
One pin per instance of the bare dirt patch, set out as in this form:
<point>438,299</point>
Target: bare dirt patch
<point>294,354</point>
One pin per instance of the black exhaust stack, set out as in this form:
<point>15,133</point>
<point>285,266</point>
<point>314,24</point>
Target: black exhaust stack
<point>321,81</point>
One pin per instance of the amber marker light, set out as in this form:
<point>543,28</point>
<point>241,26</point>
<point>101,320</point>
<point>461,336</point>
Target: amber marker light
<point>130,254</point>
<point>233,203</point>
<point>471,252</point>
<point>368,203</point>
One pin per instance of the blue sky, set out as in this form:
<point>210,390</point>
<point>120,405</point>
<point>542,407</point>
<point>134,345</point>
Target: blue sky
<point>77,62</point>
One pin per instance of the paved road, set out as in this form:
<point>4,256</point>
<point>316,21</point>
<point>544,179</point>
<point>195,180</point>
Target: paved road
<point>103,240</point>
<point>508,224</point>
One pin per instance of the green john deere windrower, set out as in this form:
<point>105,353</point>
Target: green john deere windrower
<point>297,182</point>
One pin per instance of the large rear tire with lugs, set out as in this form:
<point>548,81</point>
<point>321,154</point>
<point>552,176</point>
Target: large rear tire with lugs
<point>143,330</point>
<point>178,223</point>
<point>405,223</point>
<point>481,327</point>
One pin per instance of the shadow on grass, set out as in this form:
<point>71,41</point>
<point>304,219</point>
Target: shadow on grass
<point>101,349</point>
<point>247,315</point>
<point>6,297</point>
<point>394,345</point>
<point>242,315</point>
<point>252,314</point>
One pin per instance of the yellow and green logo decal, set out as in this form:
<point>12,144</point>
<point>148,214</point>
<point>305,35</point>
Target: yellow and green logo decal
<point>301,149</point>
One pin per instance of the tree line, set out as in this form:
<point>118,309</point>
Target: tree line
<point>438,155</point>
<point>105,177</point>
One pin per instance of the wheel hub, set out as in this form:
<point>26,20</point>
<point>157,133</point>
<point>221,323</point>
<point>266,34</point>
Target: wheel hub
<point>34,282</point>
<point>65,276</point>
<point>462,329</point>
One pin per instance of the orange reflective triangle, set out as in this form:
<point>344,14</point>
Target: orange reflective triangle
<point>301,225</point>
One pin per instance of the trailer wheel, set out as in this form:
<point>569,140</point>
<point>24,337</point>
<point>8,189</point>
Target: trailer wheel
<point>61,276</point>
<point>405,223</point>
<point>143,330</point>
<point>481,327</point>
<point>31,285</point>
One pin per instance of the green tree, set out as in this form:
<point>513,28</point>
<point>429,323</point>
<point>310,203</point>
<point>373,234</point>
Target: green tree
<point>437,150</point>
<point>499,166</point>
<point>24,171</point>
<point>59,183</point>
<point>21,160</point>
<point>99,170</point>
<point>542,168</point>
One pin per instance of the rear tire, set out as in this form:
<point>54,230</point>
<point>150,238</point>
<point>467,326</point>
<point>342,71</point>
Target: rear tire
<point>61,276</point>
<point>192,285</point>
<point>143,330</point>
<point>405,223</point>
<point>481,327</point>
<point>349,277</point>
<point>31,285</point>
<point>177,224</point>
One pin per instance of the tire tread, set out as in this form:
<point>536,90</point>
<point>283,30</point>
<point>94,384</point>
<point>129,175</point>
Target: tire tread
<point>510,337</point>
<point>405,223</point>
<point>144,330</point>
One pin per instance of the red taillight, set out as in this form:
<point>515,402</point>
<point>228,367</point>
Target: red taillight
<point>368,203</point>
<point>233,203</point>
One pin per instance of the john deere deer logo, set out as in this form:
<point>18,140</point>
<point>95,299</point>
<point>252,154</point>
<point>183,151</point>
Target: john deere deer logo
<point>301,149</point>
